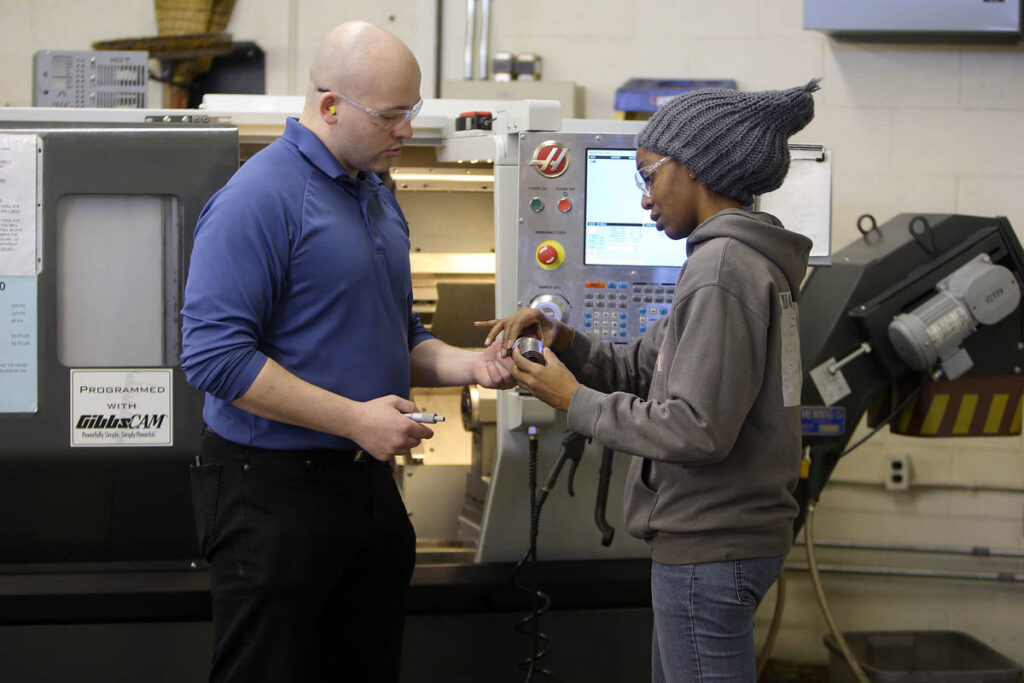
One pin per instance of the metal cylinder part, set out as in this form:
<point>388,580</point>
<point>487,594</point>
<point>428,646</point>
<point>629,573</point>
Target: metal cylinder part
<point>479,407</point>
<point>531,348</point>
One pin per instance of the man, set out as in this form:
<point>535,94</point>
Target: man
<point>709,397</point>
<point>298,325</point>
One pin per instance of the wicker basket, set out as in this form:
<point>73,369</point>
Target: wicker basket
<point>220,15</point>
<point>182,17</point>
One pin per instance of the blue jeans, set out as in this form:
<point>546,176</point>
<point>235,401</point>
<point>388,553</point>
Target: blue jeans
<point>704,619</point>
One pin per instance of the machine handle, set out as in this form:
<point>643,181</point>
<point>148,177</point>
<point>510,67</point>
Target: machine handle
<point>572,450</point>
<point>607,531</point>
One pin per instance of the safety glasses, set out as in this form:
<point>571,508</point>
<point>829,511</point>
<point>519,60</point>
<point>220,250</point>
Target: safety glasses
<point>385,118</point>
<point>645,175</point>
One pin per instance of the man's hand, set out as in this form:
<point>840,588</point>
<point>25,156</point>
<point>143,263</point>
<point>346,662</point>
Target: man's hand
<point>382,430</point>
<point>551,383</point>
<point>492,371</point>
<point>527,322</point>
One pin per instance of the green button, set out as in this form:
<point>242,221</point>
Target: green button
<point>536,204</point>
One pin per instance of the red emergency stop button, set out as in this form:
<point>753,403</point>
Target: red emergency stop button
<point>564,205</point>
<point>550,254</point>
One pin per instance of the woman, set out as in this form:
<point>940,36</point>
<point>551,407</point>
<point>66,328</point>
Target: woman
<point>708,399</point>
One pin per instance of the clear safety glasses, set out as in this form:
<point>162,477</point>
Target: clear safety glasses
<point>645,175</point>
<point>385,118</point>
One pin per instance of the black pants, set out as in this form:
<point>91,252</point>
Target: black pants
<point>310,556</point>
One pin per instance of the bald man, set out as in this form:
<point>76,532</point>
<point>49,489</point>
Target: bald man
<point>298,326</point>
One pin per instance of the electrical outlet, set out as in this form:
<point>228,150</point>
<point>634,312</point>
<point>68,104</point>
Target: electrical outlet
<point>896,474</point>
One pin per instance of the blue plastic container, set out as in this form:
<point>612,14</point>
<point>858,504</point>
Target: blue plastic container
<point>647,94</point>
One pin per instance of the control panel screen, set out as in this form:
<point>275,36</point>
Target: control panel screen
<point>618,231</point>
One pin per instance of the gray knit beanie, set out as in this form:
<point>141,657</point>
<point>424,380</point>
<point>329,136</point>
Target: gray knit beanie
<point>735,143</point>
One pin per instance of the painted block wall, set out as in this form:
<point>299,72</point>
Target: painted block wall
<point>913,128</point>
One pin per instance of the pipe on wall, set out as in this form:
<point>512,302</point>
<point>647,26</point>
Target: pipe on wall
<point>978,551</point>
<point>485,39</point>
<point>467,71</point>
<point>1000,577</point>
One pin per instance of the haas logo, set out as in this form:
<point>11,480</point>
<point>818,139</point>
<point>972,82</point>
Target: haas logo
<point>551,159</point>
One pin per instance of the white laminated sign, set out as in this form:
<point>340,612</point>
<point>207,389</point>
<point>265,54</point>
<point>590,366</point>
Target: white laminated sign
<point>18,204</point>
<point>121,408</point>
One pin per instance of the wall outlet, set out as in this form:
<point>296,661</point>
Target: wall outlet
<point>896,474</point>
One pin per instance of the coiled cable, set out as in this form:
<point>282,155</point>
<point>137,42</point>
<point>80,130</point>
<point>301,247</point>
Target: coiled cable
<point>540,602</point>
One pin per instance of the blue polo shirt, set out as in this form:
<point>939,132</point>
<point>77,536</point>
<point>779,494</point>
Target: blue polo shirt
<point>296,260</point>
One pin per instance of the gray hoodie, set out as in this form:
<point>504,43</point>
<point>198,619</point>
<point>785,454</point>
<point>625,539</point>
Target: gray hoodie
<point>709,398</point>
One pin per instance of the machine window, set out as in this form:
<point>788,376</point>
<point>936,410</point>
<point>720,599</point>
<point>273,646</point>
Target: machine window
<point>117,280</point>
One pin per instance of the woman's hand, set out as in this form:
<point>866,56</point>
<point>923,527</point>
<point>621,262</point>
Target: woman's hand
<point>531,323</point>
<point>551,382</point>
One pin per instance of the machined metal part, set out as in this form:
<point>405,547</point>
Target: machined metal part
<point>531,348</point>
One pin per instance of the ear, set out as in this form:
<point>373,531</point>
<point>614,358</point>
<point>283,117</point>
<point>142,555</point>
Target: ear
<point>328,108</point>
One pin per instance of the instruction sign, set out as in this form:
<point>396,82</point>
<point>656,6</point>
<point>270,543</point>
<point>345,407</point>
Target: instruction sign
<point>19,343</point>
<point>18,184</point>
<point>121,408</point>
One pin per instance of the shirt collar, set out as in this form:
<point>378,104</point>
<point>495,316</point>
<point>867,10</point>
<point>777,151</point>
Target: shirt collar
<point>313,148</point>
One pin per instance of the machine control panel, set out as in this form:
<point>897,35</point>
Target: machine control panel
<point>589,254</point>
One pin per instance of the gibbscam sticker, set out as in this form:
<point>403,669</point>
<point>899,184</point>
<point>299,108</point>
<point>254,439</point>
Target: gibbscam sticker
<point>121,408</point>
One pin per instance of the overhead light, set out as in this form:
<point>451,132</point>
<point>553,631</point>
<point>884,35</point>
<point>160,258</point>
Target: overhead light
<point>427,175</point>
<point>398,177</point>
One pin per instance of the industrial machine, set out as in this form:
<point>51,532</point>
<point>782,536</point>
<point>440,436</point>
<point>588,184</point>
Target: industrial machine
<point>98,423</point>
<point>586,252</point>
<point>918,325</point>
<point>90,78</point>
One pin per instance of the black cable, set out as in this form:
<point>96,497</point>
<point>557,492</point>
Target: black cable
<point>540,602</point>
<point>889,419</point>
<point>170,81</point>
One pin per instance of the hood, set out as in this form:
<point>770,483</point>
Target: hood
<point>762,232</point>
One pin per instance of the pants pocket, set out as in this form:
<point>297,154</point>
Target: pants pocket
<point>754,577</point>
<point>205,493</point>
